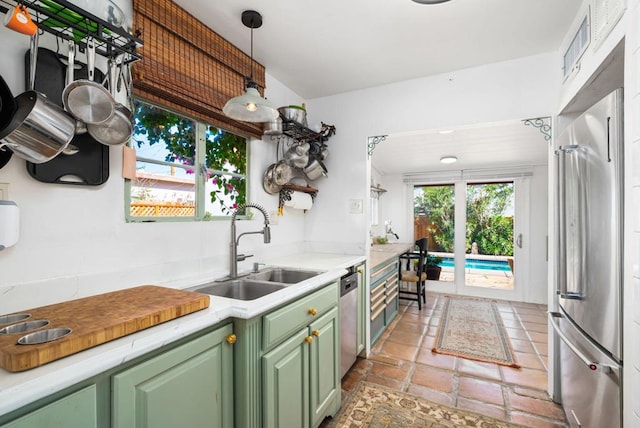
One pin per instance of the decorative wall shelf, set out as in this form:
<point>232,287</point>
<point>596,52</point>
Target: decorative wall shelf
<point>68,21</point>
<point>377,191</point>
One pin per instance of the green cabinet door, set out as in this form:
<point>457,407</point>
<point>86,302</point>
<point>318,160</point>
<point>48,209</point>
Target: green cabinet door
<point>361,322</point>
<point>77,410</point>
<point>324,367</point>
<point>188,386</point>
<point>285,386</point>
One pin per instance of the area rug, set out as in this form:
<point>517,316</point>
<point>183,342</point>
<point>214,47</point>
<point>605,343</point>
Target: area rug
<point>375,406</point>
<point>473,329</point>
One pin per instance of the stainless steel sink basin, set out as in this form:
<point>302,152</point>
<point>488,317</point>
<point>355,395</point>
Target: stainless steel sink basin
<point>241,289</point>
<point>285,276</point>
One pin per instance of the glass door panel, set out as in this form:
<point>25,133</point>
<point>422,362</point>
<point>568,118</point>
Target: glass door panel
<point>434,218</point>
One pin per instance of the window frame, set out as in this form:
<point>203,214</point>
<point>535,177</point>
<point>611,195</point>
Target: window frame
<point>199,172</point>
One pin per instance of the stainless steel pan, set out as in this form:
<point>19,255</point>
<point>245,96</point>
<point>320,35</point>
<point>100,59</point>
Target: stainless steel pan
<point>118,129</point>
<point>86,100</point>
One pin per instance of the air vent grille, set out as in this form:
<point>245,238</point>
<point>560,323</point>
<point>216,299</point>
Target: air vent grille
<point>577,47</point>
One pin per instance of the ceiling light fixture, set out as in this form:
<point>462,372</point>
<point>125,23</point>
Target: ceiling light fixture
<point>430,1</point>
<point>250,106</point>
<point>448,159</point>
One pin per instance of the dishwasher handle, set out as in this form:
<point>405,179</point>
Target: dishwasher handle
<point>593,365</point>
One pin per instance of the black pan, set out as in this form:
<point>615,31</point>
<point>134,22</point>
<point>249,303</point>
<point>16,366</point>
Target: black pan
<point>8,105</point>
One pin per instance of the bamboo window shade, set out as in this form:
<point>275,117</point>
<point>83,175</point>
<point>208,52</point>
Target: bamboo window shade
<point>189,68</point>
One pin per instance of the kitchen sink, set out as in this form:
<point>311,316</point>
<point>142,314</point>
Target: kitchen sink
<point>286,276</point>
<point>241,289</point>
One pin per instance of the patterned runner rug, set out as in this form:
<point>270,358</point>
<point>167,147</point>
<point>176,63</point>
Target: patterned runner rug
<point>375,406</point>
<point>473,329</point>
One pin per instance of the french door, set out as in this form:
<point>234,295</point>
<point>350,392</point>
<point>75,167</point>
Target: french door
<point>480,230</point>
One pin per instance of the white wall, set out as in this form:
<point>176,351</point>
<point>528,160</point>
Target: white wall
<point>522,88</point>
<point>631,307</point>
<point>74,240</point>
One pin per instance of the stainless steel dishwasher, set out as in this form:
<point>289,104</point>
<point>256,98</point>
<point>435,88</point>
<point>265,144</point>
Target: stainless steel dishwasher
<point>348,320</point>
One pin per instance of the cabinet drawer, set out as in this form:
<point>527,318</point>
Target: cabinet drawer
<point>384,272</point>
<point>282,322</point>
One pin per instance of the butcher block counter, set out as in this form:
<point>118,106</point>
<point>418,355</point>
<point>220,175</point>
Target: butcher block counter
<point>22,388</point>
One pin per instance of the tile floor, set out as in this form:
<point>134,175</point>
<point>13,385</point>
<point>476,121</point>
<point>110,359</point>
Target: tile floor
<point>402,359</point>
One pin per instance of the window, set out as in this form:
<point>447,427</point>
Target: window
<point>185,169</point>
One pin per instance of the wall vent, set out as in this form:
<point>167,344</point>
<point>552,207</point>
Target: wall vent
<point>577,47</point>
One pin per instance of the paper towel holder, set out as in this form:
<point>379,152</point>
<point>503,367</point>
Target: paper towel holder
<point>288,189</point>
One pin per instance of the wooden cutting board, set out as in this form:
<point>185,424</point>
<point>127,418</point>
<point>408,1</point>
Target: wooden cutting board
<point>97,319</point>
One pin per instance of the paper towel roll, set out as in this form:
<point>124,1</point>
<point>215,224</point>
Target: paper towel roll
<point>299,201</point>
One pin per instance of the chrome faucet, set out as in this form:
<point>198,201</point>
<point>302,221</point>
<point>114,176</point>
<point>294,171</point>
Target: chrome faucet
<point>235,257</point>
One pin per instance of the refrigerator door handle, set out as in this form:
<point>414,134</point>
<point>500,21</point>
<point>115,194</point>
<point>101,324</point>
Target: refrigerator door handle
<point>561,259</point>
<point>593,365</point>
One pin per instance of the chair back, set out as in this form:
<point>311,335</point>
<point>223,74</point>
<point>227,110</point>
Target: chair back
<point>422,244</point>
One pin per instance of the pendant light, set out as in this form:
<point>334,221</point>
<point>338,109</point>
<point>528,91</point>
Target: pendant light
<point>250,106</point>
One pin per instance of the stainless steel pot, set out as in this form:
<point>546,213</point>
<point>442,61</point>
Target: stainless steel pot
<point>281,173</point>
<point>297,155</point>
<point>315,169</point>
<point>39,129</point>
<point>273,127</point>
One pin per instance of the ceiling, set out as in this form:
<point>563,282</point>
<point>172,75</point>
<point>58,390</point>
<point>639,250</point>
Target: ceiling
<point>320,48</point>
<point>502,144</point>
<point>324,47</point>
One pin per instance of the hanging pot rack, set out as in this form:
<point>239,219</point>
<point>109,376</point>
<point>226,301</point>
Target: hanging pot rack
<point>79,25</point>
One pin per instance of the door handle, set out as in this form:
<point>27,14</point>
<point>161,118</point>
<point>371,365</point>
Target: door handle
<point>593,365</point>
<point>519,240</point>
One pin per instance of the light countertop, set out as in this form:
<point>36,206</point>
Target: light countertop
<point>382,253</point>
<point>20,389</point>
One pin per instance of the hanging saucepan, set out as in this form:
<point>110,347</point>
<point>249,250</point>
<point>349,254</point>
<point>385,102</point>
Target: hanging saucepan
<point>297,155</point>
<point>118,129</point>
<point>267,182</point>
<point>315,169</point>
<point>39,129</point>
<point>86,100</point>
<point>281,173</point>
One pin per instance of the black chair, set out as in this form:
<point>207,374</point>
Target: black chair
<point>413,278</point>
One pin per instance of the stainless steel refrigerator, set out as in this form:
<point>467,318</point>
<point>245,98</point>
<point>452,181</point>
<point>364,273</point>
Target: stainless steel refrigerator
<point>589,266</point>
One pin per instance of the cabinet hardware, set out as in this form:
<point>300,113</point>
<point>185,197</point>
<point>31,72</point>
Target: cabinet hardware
<point>231,339</point>
<point>313,312</point>
<point>316,333</point>
<point>360,270</point>
<point>308,339</point>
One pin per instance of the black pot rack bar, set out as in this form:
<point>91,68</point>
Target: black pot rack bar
<point>299,132</point>
<point>111,41</point>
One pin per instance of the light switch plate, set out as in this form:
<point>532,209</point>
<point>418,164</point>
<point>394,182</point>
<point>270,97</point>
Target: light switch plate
<point>4,191</point>
<point>355,206</point>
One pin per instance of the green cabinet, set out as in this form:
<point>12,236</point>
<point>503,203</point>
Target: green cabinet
<point>361,328</point>
<point>286,383</point>
<point>300,386</point>
<point>76,410</point>
<point>190,385</point>
<point>287,371</point>
<point>383,297</point>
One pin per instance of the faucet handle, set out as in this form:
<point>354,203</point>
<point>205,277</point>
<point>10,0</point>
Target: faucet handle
<point>243,257</point>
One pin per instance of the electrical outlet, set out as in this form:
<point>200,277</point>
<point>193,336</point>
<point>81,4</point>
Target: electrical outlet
<point>355,206</point>
<point>4,191</point>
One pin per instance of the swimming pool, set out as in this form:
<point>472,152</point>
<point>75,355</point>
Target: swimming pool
<point>496,265</point>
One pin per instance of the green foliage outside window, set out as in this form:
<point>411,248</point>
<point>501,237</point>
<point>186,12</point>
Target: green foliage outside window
<point>487,224</point>
<point>225,152</point>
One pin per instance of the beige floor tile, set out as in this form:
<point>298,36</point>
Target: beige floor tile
<point>478,369</point>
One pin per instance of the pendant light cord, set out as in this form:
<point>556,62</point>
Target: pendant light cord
<point>251,51</point>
